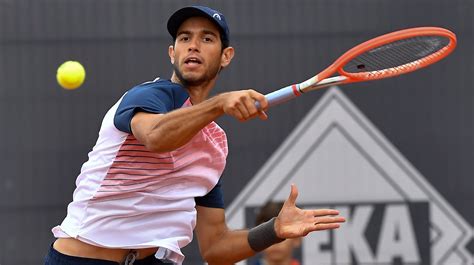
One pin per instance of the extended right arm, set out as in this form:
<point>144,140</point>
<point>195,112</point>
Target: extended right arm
<point>166,132</point>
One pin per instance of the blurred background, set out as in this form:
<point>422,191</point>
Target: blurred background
<point>428,116</point>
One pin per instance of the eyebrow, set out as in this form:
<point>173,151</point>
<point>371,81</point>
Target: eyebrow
<point>204,31</point>
<point>209,32</point>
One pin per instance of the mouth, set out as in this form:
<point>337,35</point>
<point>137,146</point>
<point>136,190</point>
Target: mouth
<point>192,61</point>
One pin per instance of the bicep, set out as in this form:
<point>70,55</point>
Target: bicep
<point>142,124</point>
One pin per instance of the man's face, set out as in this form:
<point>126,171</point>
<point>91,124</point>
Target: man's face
<point>197,53</point>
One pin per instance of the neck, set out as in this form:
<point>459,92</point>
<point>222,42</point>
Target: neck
<point>197,93</point>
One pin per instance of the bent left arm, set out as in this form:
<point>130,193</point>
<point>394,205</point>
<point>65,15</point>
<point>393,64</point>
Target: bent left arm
<point>217,243</point>
<point>221,246</point>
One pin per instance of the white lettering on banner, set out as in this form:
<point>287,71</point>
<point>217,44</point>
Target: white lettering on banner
<point>350,239</point>
<point>313,248</point>
<point>397,237</point>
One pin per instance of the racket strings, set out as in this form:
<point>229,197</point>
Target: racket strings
<point>425,54</point>
<point>397,57</point>
<point>400,53</point>
<point>404,68</point>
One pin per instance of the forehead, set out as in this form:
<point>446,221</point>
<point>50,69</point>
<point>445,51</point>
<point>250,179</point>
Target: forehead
<point>198,24</point>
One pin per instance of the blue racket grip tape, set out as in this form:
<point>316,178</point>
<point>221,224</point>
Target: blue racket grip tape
<point>281,95</point>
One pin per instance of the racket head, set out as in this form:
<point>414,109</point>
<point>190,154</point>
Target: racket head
<point>393,54</point>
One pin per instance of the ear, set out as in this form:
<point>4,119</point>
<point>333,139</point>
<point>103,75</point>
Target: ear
<point>226,57</point>
<point>171,53</point>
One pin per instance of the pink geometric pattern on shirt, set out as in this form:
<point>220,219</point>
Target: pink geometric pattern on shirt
<point>137,170</point>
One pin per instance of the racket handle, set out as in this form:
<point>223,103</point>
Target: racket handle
<point>281,95</point>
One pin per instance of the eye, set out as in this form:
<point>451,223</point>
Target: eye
<point>183,38</point>
<point>208,39</point>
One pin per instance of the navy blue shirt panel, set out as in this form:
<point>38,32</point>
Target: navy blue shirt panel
<point>159,96</point>
<point>214,199</point>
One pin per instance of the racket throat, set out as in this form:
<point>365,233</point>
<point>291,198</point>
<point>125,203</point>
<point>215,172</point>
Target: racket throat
<point>336,80</point>
<point>331,81</point>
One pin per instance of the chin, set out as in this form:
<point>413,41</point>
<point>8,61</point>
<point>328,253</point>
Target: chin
<point>191,76</point>
<point>193,81</point>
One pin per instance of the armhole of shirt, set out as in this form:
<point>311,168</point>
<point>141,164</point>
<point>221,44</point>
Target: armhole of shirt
<point>213,199</point>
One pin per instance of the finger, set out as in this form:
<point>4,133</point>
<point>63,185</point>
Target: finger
<point>291,201</point>
<point>329,220</point>
<point>322,212</point>
<point>235,109</point>
<point>249,104</point>
<point>319,227</point>
<point>262,115</point>
<point>234,112</point>
<point>245,114</point>
<point>260,98</point>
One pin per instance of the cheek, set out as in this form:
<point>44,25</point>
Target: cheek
<point>175,58</point>
<point>215,56</point>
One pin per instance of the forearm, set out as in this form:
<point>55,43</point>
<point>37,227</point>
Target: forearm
<point>234,246</point>
<point>231,247</point>
<point>217,243</point>
<point>174,129</point>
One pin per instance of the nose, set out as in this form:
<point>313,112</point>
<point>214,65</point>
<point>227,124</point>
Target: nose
<point>194,44</point>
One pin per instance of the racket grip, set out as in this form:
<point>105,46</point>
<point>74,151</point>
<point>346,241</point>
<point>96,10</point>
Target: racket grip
<point>281,95</point>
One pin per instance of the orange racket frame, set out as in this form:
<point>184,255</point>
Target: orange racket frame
<point>324,79</point>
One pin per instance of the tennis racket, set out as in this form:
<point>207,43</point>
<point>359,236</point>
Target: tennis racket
<point>389,55</point>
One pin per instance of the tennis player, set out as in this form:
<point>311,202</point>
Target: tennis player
<point>153,175</point>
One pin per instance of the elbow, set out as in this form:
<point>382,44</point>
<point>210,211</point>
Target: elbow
<point>215,261</point>
<point>213,258</point>
<point>209,258</point>
<point>158,147</point>
<point>158,143</point>
<point>155,143</point>
<point>154,148</point>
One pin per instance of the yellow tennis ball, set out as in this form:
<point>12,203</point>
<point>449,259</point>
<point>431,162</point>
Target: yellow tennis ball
<point>71,75</point>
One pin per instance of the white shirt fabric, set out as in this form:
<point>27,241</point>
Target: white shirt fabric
<point>128,197</point>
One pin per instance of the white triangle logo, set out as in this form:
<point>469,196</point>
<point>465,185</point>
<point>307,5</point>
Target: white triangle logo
<point>338,158</point>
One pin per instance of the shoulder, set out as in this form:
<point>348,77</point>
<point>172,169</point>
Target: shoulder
<point>159,83</point>
<point>158,96</point>
<point>160,88</point>
<point>161,94</point>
